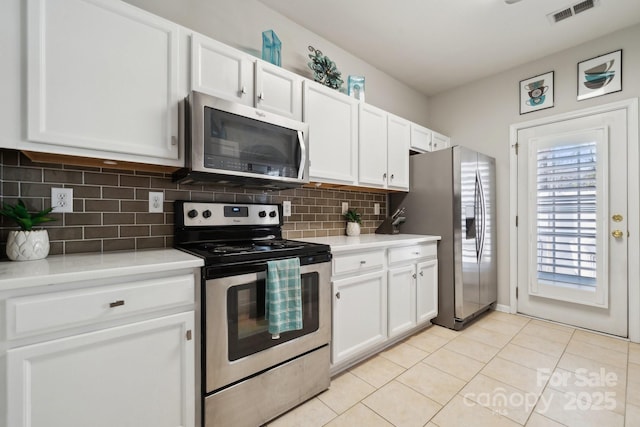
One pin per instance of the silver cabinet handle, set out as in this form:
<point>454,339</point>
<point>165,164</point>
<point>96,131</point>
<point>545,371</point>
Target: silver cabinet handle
<point>363,262</point>
<point>417,253</point>
<point>414,275</point>
<point>243,90</point>
<point>384,175</point>
<point>422,273</point>
<point>338,295</point>
<point>116,303</point>
<point>392,176</point>
<point>261,96</point>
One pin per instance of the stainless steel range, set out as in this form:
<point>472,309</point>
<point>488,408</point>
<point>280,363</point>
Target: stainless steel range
<point>248,377</point>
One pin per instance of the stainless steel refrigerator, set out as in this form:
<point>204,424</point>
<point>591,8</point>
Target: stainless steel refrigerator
<point>452,194</point>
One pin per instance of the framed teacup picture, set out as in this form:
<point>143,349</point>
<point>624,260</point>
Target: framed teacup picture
<point>600,75</point>
<point>536,93</point>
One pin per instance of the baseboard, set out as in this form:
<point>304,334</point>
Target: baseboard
<point>503,308</point>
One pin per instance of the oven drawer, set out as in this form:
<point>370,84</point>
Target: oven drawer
<point>356,262</point>
<point>412,252</point>
<point>36,314</point>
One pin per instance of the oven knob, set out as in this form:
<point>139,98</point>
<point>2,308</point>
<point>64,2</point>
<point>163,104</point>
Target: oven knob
<point>262,214</point>
<point>192,213</point>
<point>272,214</point>
<point>206,214</point>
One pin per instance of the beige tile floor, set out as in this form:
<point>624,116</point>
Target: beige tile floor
<point>503,370</point>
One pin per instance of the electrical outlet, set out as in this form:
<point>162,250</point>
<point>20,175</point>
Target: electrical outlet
<point>286,208</point>
<point>345,207</point>
<point>376,208</point>
<point>62,200</point>
<point>156,199</point>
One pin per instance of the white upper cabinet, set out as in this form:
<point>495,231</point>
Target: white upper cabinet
<point>423,139</point>
<point>103,77</point>
<point>333,134</point>
<point>278,90</point>
<point>220,70</point>
<point>383,149</point>
<point>440,141</point>
<point>228,73</point>
<point>420,138</point>
<point>372,146</point>
<point>398,141</point>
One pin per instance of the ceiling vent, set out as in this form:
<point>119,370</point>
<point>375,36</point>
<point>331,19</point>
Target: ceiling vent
<point>572,10</point>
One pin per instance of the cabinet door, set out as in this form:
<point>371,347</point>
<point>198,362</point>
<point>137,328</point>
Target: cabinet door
<point>102,75</point>
<point>440,141</point>
<point>402,299</point>
<point>137,375</point>
<point>333,134</point>
<point>220,70</point>
<point>278,90</point>
<point>359,314</point>
<point>420,138</point>
<point>398,141</point>
<point>372,146</point>
<point>427,290</point>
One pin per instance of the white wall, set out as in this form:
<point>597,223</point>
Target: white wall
<point>239,23</point>
<point>478,115</point>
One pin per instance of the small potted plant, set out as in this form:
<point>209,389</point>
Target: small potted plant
<point>354,220</point>
<point>26,244</point>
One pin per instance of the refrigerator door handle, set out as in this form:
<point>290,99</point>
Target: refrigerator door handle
<point>483,212</point>
<point>476,202</point>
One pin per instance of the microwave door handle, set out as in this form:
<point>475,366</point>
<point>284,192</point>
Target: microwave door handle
<point>303,155</point>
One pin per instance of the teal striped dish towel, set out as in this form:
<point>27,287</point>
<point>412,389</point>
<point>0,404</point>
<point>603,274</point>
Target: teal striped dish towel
<point>283,296</point>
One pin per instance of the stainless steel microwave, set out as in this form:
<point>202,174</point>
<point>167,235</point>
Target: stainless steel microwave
<point>234,144</point>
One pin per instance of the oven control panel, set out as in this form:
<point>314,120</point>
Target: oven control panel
<point>198,214</point>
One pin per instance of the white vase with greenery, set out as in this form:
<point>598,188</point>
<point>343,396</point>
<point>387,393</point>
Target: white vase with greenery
<point>353,222</point>
<point>26,244</point>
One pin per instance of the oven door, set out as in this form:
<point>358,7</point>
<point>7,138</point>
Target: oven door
<point>237,342</point>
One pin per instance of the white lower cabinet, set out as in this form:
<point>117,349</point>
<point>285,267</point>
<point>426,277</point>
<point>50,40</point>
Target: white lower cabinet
<point>380,296</point>
<point>359,314</point>
<point>100,352</point>
<point>402,301</point>
<point>133,375</point>
<point>426,290</point>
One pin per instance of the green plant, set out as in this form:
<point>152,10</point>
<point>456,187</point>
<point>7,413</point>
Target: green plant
<point>352,215</point>
<point>23,217</point>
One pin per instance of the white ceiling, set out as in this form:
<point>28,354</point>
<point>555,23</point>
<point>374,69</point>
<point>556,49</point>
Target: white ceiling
<point>435,45</point>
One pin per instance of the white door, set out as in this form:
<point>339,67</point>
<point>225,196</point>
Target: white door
<point>401,296</point>
<point>278,90</point>
<point>359,315</point>
<point>136,375</point>
<point>372,146</point>
<point>426,290</point>
<point>572,222</point>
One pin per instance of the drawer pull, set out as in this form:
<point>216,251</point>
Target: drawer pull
<point>363,262</point>
<point>417,253</point>
<point>414,275</point>
<point>338,295</point>
<point>116,303</point>
<point>422,273</point>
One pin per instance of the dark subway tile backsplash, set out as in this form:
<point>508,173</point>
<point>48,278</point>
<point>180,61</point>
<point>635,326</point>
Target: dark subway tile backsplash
<point>111,206</point>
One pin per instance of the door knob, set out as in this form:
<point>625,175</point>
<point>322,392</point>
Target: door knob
<point>616,233</point>
<point>617,218</point>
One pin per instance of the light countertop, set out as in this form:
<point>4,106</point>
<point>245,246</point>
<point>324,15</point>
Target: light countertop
<point>57,269</point>
<point>370,241</point>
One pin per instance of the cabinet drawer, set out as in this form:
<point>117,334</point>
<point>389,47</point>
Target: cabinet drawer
<point>412,252</point>
<point>34,314</point>
<point>357,262</point>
